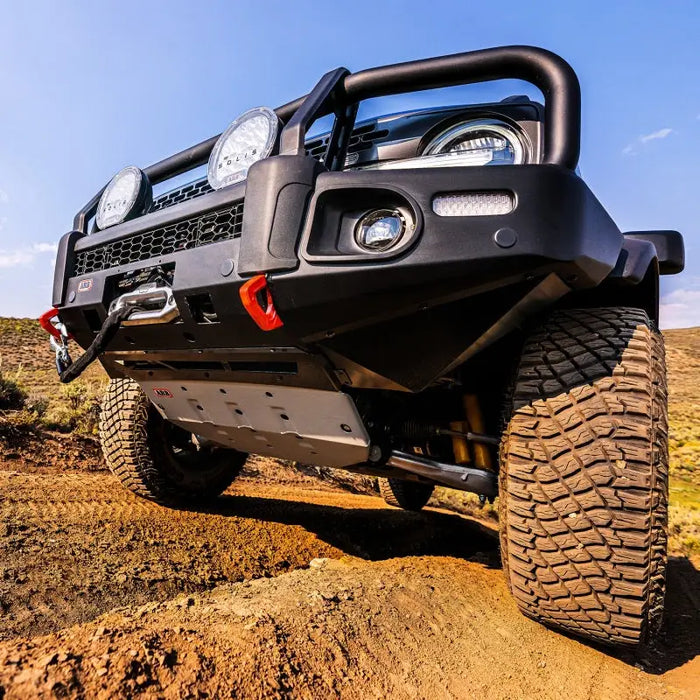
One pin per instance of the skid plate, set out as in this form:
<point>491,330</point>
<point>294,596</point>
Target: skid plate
<point>307,425</point>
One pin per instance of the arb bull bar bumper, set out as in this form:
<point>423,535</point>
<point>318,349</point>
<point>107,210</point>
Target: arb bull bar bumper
<point>291,222</point>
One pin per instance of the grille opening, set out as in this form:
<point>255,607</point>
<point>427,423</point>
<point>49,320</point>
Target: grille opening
<point>194,364</point>
<point>267,367</point>
<point>211,366</point>
<point>361,142</point>
<point>365,129</point>
<point>182,194</point>
<point>140,364</point>
<point>202,308</point>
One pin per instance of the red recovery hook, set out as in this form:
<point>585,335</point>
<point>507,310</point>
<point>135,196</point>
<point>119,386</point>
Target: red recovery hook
<point>257,301</point>
<point>50,328</point>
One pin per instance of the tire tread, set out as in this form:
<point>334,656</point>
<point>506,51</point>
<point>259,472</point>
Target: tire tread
<point>584,476</point>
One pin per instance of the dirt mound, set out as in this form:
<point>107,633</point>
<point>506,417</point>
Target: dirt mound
<point>414,627</point>
<point>336,595</point>
<point>28,448</point>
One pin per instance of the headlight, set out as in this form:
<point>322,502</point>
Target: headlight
<point>127,195</point>
<point>481,142</point>
<point>249,139</point>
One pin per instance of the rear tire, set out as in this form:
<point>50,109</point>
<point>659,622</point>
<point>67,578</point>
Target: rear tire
<point>155,459</point>
<point>584,476</point>
<point>408,495</point>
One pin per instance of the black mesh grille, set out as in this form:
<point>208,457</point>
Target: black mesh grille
<point>182,194</point>
<point>362,138</point>
<point>189,233</point>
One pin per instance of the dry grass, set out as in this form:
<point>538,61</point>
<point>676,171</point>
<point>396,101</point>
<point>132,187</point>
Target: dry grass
<point>28,363</point>
<point>683,353</point>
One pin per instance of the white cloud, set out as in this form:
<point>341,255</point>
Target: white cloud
<point>4,197</point>
<point>45,247</point>
<point>680,309</point>
<point>631,149</point>
<point>660,134</point>
<point>25,256</point>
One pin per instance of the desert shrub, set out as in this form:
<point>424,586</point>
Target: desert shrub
<point>684,530</point>
<point>12,395</point>
<point>36,404</point>
<point>463,502</point>
<point>77,409</point>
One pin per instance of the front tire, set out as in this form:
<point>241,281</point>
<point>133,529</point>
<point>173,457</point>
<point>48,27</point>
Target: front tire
<point>155,459</point>
<point>408,495</point>
<point>584,476</point>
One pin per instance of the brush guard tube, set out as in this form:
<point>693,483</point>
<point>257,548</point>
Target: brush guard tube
<point>550,73</point>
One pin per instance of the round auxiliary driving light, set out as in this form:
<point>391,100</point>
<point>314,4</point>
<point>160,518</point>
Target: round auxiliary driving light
<point>127,195</point>
<point>381,230</point>
<point>250,138</point>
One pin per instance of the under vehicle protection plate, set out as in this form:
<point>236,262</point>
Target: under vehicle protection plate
<point>312,425</point>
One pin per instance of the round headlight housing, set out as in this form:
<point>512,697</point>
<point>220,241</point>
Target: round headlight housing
<point>128,194</point>
<point>248,139</point>
<point>480,142</point>
<point>381,230</point>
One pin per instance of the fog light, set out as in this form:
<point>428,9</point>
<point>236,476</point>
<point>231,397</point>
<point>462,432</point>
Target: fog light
<point>380,230</point>
<point>474,204</point>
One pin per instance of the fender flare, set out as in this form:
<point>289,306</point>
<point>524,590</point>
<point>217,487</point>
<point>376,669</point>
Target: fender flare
<point>641,248</point>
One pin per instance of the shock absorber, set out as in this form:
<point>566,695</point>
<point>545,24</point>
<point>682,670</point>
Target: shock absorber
<point>475,419</point>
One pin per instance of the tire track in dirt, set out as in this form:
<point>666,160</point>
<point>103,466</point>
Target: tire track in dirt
<point>48,499</point>
<point>75,545</point>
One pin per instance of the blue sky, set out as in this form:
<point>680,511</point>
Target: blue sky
<point>87,88</point>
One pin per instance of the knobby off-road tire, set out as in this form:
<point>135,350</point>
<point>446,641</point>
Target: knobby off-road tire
<point>155,459</point>
<point>584,476</point>
<point>408,495</point>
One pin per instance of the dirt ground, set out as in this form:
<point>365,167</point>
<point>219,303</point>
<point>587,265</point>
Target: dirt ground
<point>287,588</point>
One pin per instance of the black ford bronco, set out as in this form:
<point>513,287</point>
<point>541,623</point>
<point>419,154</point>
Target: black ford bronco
<point>432,298</point>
